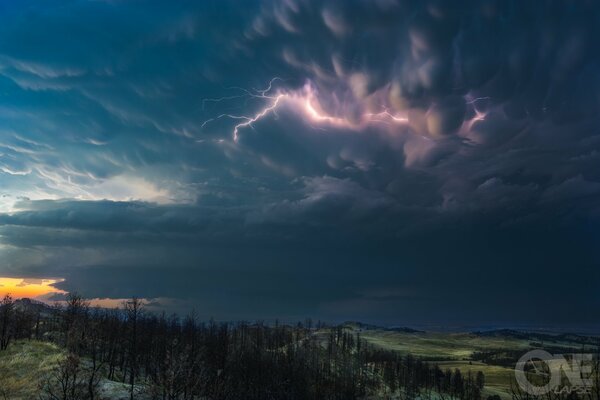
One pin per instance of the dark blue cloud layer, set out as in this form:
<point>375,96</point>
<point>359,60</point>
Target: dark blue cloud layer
<point>488,190</point>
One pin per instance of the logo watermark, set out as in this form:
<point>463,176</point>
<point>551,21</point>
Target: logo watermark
<point>539,372</point>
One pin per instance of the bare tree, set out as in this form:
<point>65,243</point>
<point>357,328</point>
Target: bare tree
<point>74,321</point>
<point>7,306</point>
<point>133,308</point>
<point>70,381</point>
<point>480,380</point>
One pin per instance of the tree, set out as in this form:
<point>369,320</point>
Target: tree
<point>74,321</point>
<point>480,380</point>
<point>70,381</point>
<point>457,383</point>
<point>91,345</point>
<point>133,309</point>
<point>7,306</point>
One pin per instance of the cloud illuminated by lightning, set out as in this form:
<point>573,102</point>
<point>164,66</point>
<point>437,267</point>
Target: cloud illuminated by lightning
<point>479,115</point>
<point>304,102</point>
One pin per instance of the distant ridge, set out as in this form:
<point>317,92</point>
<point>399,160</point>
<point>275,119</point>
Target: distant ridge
<point>27,303</point>
<point>372,327</point>
<point>542,337</point>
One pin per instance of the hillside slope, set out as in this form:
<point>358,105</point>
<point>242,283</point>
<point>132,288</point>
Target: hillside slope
<point>27,363</point>
<point>24,365</point>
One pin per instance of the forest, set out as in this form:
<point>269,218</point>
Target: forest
<point>170,357</point>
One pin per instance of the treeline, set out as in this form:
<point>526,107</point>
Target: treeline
<point>168,357</point>
<point>502,358</point>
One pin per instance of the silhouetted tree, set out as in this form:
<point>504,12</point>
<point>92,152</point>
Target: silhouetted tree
<point>133,309</point>
<point>480,380</point>
<point>7,306</point>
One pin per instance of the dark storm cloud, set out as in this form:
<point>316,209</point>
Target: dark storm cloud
<point>119,172</point>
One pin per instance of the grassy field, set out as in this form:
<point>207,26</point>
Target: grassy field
<point>22,367</point>
<point>26,363</point>
<point>455,350</point>
<point>440,346</point>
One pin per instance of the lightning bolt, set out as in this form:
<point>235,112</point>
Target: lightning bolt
<point>304,102</point>
<point>475,100</point>
<point>386,115</point>
<point>258,116</point>
<point>268,89</point>
<point>479,115</point>
<point>255,94</point>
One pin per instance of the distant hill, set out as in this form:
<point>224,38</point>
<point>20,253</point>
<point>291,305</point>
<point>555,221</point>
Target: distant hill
<point>30,304</point>
<point>34,307</point>
<point>540,337</point>
<point>371,327</point>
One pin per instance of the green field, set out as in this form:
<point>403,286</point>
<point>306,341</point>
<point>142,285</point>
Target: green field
<point>455,350</point>
<point>23,366</point>
<point>440,346</point>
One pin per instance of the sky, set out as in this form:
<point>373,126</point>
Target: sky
<point>392,161</point>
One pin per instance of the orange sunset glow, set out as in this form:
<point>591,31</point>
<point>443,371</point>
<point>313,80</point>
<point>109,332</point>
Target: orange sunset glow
<point>28,287</point>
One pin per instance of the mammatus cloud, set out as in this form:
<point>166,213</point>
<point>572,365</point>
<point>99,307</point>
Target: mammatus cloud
<point>245,159</point>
